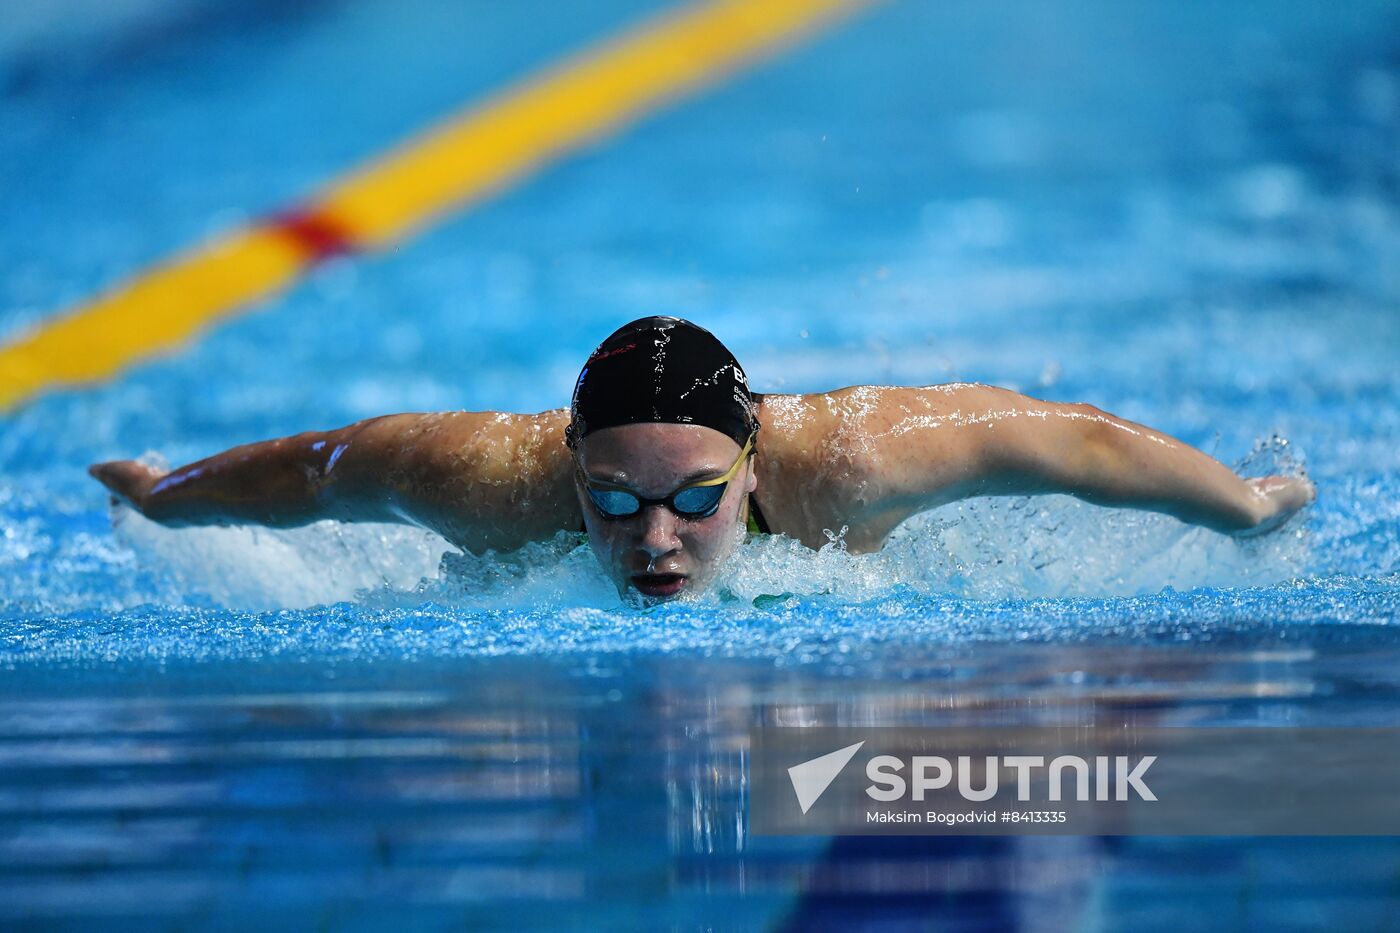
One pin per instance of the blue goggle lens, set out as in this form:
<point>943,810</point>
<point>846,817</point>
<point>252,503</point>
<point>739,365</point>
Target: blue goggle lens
<point>614,503</point>
<point>695,502</point>
<point>698,500</point>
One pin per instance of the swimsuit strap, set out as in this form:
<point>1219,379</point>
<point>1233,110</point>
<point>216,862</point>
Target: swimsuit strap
<point>757,523</point>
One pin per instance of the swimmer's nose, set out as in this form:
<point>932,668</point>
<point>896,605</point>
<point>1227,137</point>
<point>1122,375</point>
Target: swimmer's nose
<point>658,531</point>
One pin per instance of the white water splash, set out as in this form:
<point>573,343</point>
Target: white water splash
<point>262,568</point>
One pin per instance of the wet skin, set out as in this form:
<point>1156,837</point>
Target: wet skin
<point>853,462</point>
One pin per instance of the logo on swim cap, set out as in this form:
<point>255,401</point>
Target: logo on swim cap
<point>601,354</point>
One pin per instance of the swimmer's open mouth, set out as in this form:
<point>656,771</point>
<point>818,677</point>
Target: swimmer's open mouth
<point>659,584</point>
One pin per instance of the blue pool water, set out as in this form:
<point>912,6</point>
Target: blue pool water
<point>1187,214</point>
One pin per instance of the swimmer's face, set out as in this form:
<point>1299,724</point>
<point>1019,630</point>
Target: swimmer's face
<point>656,552</point>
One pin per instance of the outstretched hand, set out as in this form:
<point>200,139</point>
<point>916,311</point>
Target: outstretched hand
<point>128,480</point>
<point>1277,498</point>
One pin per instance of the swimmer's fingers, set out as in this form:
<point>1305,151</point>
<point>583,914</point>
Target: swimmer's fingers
<point>1279,497</point>
<point>1287,493</point>
<point>127,479</point>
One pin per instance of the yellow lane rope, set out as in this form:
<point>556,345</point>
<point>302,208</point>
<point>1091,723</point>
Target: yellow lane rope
<point>468,158</point>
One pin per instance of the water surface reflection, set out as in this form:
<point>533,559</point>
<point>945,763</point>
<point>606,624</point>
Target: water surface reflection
<point>612,788</point>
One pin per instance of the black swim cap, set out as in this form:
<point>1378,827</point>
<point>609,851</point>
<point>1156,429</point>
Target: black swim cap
<point>662,369</point>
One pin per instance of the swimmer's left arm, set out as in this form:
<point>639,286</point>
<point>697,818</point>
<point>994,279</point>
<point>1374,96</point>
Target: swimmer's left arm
<point>943,443</point>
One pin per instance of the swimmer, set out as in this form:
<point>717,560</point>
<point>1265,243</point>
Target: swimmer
<point>664,455</point>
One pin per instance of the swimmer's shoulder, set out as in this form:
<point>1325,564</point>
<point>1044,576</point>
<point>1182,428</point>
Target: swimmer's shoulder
<point>823,457</point>
<point>482,478</point>
<point>807,429</point>
<point>524,455</point>
<point>797,482</point>
<point>821,423</point>
<point>445,446</point>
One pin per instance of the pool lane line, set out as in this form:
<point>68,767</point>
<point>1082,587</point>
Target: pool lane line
<point>466,159</point>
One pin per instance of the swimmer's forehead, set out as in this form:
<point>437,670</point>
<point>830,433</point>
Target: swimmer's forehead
<point>662,454</point>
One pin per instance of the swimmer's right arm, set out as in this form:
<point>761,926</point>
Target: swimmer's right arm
<point>481,479</point>
<point>280,483</point>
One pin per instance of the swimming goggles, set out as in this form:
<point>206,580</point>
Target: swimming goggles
<point>692,501</point>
